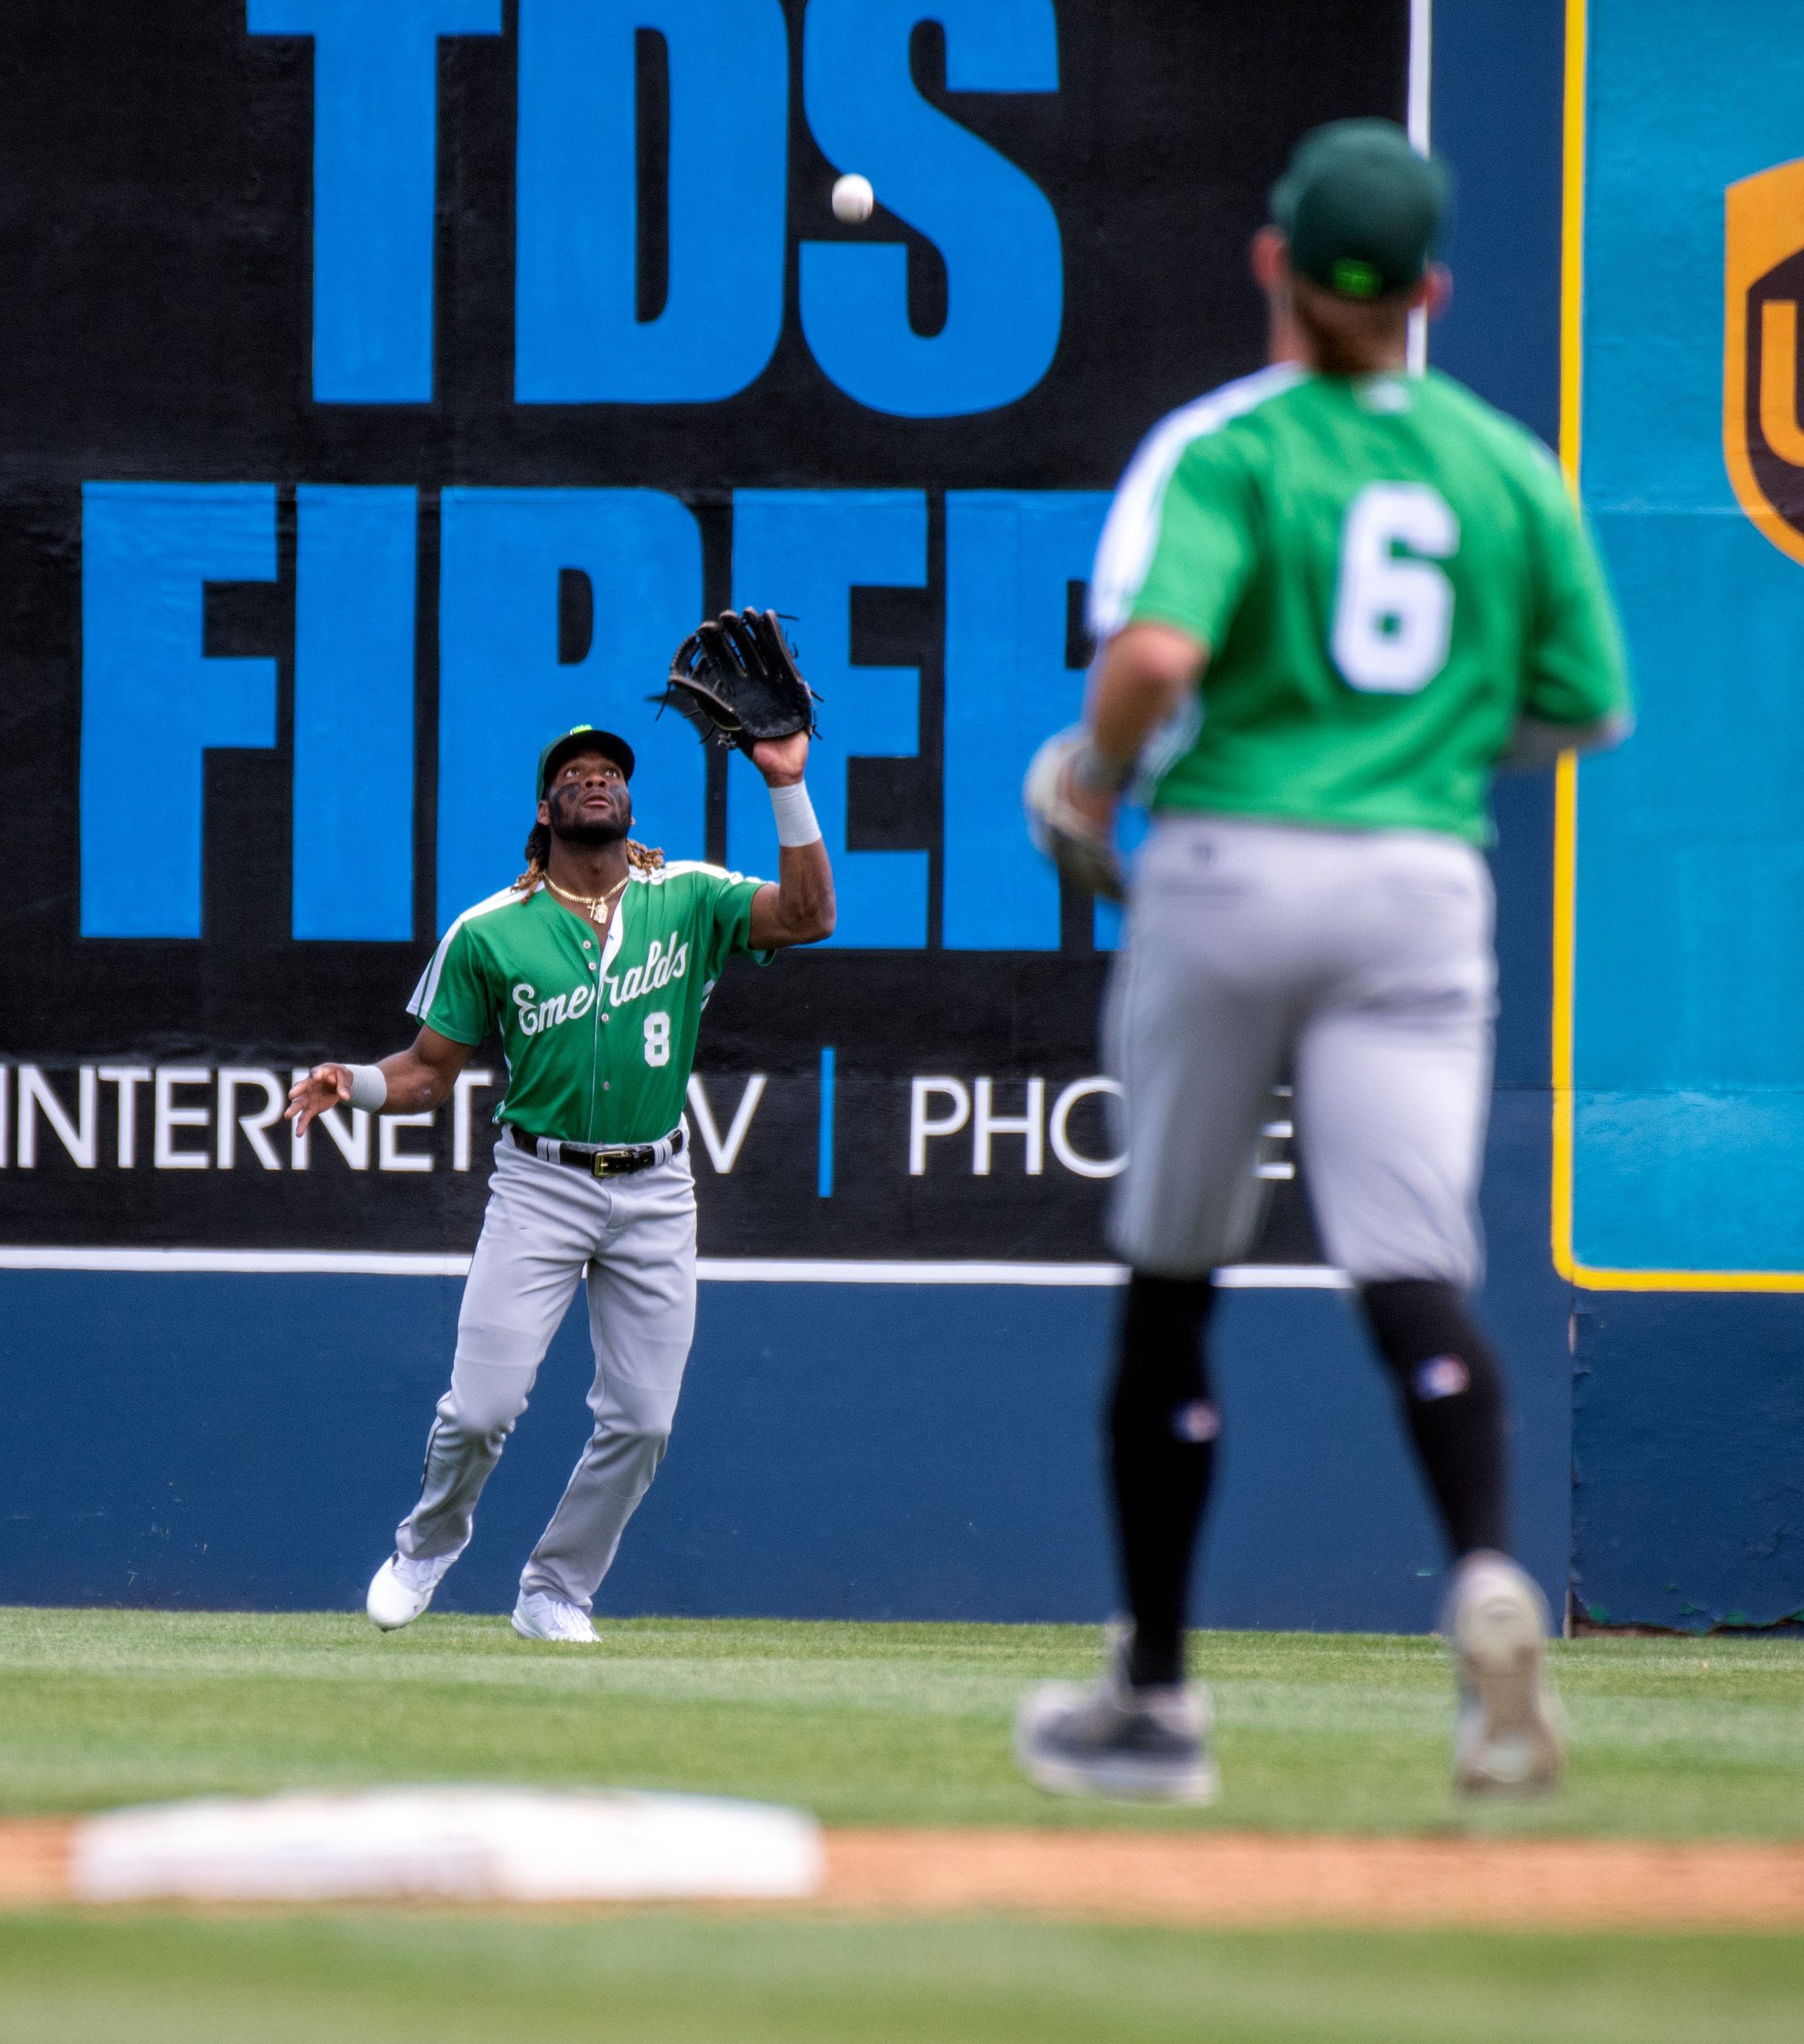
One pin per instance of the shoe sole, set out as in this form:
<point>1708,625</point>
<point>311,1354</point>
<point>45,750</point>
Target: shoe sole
<point>1517,1750</point>
<point>1121,1780</point>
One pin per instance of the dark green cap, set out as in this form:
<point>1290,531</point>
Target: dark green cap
<point>580,738</point>
<point>1362,211</point>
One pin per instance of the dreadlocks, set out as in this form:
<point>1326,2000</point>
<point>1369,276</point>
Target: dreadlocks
<point>642,858</point>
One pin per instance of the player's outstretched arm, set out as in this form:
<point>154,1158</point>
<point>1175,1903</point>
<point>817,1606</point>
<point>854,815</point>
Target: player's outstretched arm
<point>412,1081</point>
<point>1147,671</point>
<point>798,909</point>
<point>1076,779</point>
<point>1145,674</point>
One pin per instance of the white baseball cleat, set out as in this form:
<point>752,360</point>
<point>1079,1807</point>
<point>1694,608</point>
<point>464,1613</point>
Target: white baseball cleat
<point>540,1615</point>
<point>402,1588</point>
<point>1510,1741</point>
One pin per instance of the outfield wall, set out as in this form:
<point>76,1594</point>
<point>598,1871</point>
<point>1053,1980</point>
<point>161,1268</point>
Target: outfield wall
<point>843,1450</point>
<point>276,483</point>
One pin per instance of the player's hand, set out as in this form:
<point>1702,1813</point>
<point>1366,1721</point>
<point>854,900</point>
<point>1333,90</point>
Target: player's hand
<point>1071,819</point>
<point>1096,806</point>
<point>782,760</point>
<point>325,1085</point>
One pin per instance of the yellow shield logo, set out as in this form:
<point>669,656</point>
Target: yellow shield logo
<point>1762,441</point>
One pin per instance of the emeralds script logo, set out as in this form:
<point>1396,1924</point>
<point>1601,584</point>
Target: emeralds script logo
<point>1763,439</point>
<point>533,1012</point>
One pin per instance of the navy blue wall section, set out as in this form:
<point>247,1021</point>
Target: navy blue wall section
<point>842,1451</point>
<point>1688,1460</point>
<point>1496,114</point>
<point>1497,108</point>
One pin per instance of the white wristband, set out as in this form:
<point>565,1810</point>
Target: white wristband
<point>795,824</point>
<point>369,1087</point>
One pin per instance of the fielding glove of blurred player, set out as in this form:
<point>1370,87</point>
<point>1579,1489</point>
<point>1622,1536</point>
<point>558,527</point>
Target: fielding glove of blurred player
<point>735,681</point>
<point>1083,853</point>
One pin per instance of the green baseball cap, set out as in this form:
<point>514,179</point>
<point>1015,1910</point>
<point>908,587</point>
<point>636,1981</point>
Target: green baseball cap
<point>1362,211</point>
<point>580,738</point>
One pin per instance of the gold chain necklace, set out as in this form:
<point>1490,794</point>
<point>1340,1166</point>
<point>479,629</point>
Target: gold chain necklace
<point>591,906</point>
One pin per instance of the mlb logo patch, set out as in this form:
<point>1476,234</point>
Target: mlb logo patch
<point>1197,1422</point>
<point>1441,1377</point>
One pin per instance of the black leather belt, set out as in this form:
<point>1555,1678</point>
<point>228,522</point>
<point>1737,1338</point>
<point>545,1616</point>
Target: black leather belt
<point>617,1160</point>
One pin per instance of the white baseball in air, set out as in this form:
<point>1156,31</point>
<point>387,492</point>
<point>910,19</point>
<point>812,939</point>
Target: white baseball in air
<point>854,200</point>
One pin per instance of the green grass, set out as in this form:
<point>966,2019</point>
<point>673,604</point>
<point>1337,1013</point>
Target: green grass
<point>673,1979</point>
<point>861,1723</point>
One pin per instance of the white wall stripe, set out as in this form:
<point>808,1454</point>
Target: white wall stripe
<point>1422,69</point>
<point>269,1262</point>
<point>728,1270</point>
<point>1420,104</point>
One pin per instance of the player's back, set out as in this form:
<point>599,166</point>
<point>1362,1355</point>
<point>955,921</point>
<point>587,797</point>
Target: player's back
<point>1388,575</point>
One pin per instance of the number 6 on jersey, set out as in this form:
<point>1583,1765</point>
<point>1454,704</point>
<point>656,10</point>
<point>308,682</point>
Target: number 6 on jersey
<point>1393,611</point>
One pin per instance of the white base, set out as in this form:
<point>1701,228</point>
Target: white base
<point>461,1844</point>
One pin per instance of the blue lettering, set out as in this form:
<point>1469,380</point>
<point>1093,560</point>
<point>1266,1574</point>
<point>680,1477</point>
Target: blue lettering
<point>578,339</point>
<point>802,552</point>
<point>503,692</point>
<point>375,141</point>
<point>992,226</point>
<point>353,603</point>
<point>1010,560</point>
<point>151,702</point>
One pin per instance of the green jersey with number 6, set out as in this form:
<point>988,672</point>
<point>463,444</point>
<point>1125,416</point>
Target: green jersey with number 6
<point>1387,573</point>
<point>599,1032</point>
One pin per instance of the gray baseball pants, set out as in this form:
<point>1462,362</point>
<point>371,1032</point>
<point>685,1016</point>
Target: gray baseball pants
<point>546,1227</point>
<point>1358,963</point>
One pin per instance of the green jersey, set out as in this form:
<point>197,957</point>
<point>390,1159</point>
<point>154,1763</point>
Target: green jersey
<point>599,1032</point>
<point>1388,575</point>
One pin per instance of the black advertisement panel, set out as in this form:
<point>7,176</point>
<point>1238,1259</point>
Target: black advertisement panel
<point>388,385</point>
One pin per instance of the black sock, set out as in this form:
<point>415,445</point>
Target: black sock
<point>1162,1426</point>
<point>1451,1392</point>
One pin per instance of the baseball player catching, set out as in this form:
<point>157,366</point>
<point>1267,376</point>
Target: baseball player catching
<point>594,967</point>
<point>1330,600</point>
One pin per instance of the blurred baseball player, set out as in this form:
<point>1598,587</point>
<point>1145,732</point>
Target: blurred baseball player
<point>594,967</point>
<point>1331,599</point>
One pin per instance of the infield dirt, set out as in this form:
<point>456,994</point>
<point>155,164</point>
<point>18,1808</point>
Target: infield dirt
<point>1224,1879</point>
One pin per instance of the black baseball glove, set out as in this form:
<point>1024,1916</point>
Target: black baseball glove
<point>736,681</point>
